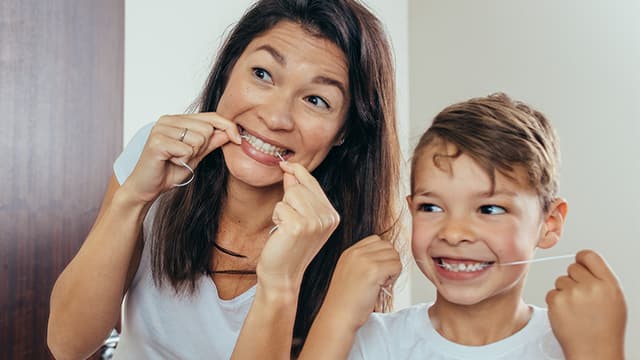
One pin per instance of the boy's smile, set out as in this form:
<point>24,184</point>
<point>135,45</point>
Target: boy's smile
<point>462,230</point>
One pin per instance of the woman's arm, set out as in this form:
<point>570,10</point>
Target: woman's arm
<point>93,285</point>
<point>305,220</point>
<point>86,298</point>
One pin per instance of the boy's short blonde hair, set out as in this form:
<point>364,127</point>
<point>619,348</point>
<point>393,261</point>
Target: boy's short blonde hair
<point>499,134</point>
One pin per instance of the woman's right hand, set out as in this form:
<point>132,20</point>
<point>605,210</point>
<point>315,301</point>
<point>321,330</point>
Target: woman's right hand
<point>362,272</point>
<point>159,167</point>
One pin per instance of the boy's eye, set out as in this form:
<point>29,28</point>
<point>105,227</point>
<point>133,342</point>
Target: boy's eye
<point>429,208</point>
<point>492,210</point>
<point>262,74</point>
<point>317,101</point>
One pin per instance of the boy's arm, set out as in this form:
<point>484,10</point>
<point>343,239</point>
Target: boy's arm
<point>355,287</point>
<point>587,310</point>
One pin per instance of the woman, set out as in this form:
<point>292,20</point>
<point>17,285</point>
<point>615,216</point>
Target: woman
<point>296,127</point>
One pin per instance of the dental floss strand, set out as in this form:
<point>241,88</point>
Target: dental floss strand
<point>538,259</point>
<point>193,174</point>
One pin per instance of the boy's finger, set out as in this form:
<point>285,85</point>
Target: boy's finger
<point>596,264</point>
<point>579,273</point>
<point>564,282</point>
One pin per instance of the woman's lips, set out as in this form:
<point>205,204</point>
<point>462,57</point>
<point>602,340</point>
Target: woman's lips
<point>263,150</point>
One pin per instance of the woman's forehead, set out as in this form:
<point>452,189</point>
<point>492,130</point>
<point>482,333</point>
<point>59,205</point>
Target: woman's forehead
<point>293,43</point>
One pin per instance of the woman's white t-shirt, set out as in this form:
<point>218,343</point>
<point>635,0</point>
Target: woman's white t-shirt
<point>159,324</point>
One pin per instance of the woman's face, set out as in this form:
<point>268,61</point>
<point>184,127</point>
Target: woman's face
<point>289,93</point>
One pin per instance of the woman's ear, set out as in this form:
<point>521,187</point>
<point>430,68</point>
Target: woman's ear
<point>340,138</point>
<point>553,223</point>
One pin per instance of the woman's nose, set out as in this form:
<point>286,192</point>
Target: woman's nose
<point>277,113</point>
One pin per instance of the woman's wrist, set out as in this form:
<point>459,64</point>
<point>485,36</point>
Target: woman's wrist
<point>278,290</point>
<point>126,198</point>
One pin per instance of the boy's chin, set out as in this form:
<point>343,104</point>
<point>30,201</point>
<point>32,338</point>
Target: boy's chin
<point>461,297</point>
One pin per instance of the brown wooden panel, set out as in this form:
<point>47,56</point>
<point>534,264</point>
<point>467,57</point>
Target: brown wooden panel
<point>61,105</point>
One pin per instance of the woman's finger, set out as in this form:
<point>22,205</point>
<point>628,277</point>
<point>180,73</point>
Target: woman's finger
<point>193,138</point>
<point>165,148</point>
<point>303,176</point>
<point>217,122</point>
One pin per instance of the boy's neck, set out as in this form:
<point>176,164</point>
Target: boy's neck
<point>480,324</point>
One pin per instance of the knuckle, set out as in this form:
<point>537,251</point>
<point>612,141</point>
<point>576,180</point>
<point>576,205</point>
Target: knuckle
<point>164,118</point>
<point>200,140</point>
<point>155,141</point>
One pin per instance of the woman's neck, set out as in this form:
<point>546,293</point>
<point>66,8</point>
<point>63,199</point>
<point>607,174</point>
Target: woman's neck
<point>483,323</point>
<point>247,210</point>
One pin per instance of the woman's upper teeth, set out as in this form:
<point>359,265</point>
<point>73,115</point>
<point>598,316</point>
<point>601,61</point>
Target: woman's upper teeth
<point>262,146</point>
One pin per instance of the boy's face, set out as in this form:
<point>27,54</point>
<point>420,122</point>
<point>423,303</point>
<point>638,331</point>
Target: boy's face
<point>462,232</point>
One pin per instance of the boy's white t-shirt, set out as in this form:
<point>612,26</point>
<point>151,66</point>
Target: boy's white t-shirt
<point>157,323</point>
<point>409,334</point>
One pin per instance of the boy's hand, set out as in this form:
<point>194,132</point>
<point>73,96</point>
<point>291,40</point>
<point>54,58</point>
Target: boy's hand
<point>587,310</point>
<point>361,273</point>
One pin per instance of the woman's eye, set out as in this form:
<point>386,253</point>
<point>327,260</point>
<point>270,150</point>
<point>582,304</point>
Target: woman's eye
<point>262,74</point>
<point>492,210</point>
<point>317,101</point>
<point>429,208</point>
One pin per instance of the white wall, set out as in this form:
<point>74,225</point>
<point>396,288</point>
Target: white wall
<point>170,47</point>
<point>577,61</point>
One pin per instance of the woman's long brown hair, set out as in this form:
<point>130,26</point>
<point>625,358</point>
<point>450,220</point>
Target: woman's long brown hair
<point>360,177</point>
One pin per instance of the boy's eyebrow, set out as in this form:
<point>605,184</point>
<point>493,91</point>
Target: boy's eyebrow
<point>480,194</point>
<point>496,193</point>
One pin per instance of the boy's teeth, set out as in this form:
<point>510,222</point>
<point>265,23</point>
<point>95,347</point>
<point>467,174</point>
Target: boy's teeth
<point>262,146</point>
<point>461,267</point>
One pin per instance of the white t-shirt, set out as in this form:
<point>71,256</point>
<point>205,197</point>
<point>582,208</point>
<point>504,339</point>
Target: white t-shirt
<point>409,334</point>
<point>157,323</point>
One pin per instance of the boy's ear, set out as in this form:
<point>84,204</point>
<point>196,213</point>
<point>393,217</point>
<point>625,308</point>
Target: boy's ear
<point>553,223</point>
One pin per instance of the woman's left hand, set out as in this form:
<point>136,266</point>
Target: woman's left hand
<point>305,220</point>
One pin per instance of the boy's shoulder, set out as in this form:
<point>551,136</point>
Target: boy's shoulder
<point>385,335</point>
<point>398,320</point>
<point>407,323</point>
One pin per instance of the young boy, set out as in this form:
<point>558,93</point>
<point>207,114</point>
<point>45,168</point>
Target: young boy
<point>483,195</point>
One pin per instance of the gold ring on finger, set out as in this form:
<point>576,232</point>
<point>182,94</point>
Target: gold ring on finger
<point>183,133</point>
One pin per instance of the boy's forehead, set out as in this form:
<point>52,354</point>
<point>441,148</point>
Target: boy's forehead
<point>444,162</point>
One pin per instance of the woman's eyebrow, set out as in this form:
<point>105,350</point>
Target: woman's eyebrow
<point>333,82</point>
<point>324,80</point>
<point>274,53</point>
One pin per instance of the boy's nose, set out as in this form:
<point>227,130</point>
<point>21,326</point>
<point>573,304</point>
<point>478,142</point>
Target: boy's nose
<point>456,231</point>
